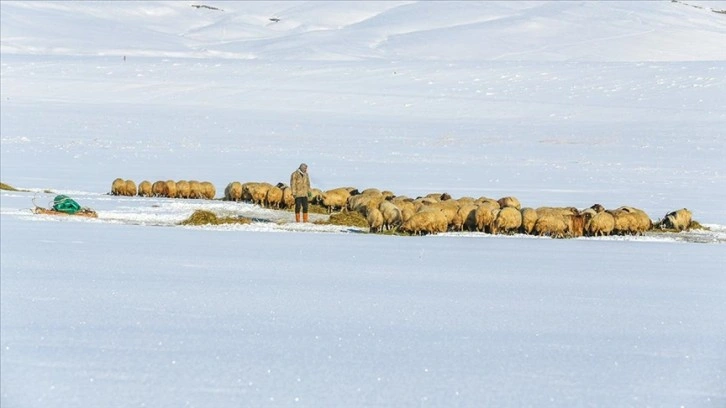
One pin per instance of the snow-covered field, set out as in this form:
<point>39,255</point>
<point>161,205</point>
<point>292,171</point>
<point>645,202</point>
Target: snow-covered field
<point>556,103</point>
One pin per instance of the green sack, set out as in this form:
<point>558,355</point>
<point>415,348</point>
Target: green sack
<point>65,204</point>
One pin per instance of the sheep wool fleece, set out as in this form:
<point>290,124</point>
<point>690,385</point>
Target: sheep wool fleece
<point>299,183</point>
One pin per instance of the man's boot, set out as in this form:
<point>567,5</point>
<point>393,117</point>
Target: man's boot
<point>305,217</point>
<point>297,217</point>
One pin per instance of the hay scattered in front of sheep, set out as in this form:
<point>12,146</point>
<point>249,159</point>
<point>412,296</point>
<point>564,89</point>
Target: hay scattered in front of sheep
<point>346,218</point>
<point>203,217</point>
<point>8,187</point>
<point>312,209</point>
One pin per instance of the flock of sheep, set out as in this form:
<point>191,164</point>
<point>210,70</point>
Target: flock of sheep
<point>430,214</point>
<point>169,188</point>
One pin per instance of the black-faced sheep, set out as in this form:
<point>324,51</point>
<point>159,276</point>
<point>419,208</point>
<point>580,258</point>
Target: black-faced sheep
<point>678,220</point>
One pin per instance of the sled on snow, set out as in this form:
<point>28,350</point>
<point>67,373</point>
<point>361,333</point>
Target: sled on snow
<point>64,205</point>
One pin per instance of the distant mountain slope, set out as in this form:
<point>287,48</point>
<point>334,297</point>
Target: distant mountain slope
<point>542,30</point>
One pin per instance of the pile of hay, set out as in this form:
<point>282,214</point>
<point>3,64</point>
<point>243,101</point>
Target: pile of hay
<point>694,225</point>
<point>202,217</point>
<point>351,219</point>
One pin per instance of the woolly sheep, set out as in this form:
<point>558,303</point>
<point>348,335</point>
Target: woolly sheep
<point>182,189</point>
<point>171,188</point>
<point>145,189</point>
<point>336,198</point>
<point>391,214</point>
<point>509,219</point>
<point>274,196</point>
<point>427,221</point>
<point>529,219</point>
<point>552,224</point>
<point>484,216</point>
<point>599,224</point>
<point>465,218</point>
<point>256,192</point>
<point>630,220</point>
<point>158,189</point>
<point>130,188</point>
<point>118,187</point>
<point>233,191</point>
<point>509,201</point>
<point>208,190</point>
<point>288,200</point>
<point>375,220</point>
<point>679,220</point>
<point>195,189</point>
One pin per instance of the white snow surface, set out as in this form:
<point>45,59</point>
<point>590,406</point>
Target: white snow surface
<point>557,103</point>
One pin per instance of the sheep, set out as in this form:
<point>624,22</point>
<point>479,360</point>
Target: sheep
<point>465,218</point>
<point>208,191</point>
<point>529,219</point>
<point>274,196</point>
<point>130,188</point>
<point>256,192</point>
<point>552,224</point>
<point>361,202</point>
<point>598,208</point>
<point>449,208</point>
<point>427,221</point>
<point>336,198</point>
<point>288,200</point>
<point>508,219</point>
<point>158,189</point>
<point>509,201</point>
<point>557,211</point>
<point>484,216</point>
<point>182,189</point>
<point>171,188</point>
<point>575,225</point>
<point>678,220</point>
<point>391,214</point>
<point>145,189</point>
<point>630,220</point>
<point>195,189</point>
<point>599,224</point>
<point>233,191</point>
<point>371,191</point>
<point>118,187</point>
<point>375,220</point>
<point>316,196</point>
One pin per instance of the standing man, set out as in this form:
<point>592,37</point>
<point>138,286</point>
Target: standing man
<point>300,185</point>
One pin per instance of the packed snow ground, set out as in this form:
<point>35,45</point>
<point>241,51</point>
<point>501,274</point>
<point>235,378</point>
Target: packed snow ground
<point>557,103</point>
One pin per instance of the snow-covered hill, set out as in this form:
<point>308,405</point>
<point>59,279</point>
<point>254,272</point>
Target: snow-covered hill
<point>424,30</point>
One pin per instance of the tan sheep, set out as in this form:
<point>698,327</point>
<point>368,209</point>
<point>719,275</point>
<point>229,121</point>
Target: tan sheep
<point>118,187</point>
<point>575,225</point>
<point>145,189</point>
<point>552,224</point>
<point>171,188</point>
<point>130,188</point>
<point>508,220</point>
<point>274,196</point>
<point>631,220</point>
<point>256,192</point>
<point>375,220</point>
<point>158,189</point>
<point>316,196</point>
<point>233,191</point>
<point>427,221</point>
<point>599,224</point>
<point>679,220</point>
<point>195,189</point>
<point>391,214</point>
<point>529,219</point>
<point>484,216</point>
<point>336,198</point>
<point>288,200</point>
<point>465,218</point>
<point>509,201</point>
<point>182,189</point>
<point>208,191</point>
